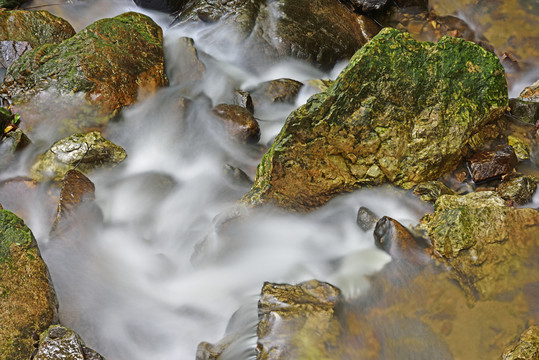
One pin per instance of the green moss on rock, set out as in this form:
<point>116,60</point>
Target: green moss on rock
<point>35,27</point>
<point>27,299</point>
<point>112,62</point>
<point>401,112</point>
<point>483,240</point>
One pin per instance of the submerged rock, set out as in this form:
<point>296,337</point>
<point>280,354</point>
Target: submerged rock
<point>28,302</point>
<point>384,119</point>
<point>84,151</point>
<point>110,63</point>
<point>238,122</point>
<point>278,28</point>
<point>184,65</point>
<point>59,342</point>
<point>526,348</point>
<point>485,242</point>
<point>298,321</point>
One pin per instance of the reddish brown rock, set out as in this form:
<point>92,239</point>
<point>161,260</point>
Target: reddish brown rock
<point>239,123</point>
<point>490,164</point>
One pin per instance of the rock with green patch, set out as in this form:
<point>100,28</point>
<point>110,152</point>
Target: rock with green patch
<point>432,190</point>
<point>527,111</point>
<point>518,188</point>
<point>27,299</point>
<point>298,321</point>
<point>521,147</point>
<point>59,342</point>
<point>86,152</point>
<point>526,348</point>
<point>485,242</point>
<point>103,68</point>
<point>36,28</point>
<point>401,112</point>
<point>320,31</point>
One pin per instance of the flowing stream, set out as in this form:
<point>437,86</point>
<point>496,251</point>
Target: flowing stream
<point>155,279</point>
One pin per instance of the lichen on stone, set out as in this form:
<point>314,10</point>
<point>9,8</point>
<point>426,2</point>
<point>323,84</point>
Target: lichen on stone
<point>401,112</point>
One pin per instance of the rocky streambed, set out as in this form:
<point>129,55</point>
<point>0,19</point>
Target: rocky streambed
<point>332,179</point>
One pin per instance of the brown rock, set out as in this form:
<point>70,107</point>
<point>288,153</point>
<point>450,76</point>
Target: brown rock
<point>239,123</point>
<point>531,93</point>
<point>490,164</point>
<point>298,321</point>
<point>278,91</point>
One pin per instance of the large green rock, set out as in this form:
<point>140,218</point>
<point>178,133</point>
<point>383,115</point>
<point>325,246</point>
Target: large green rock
<point>527,347</point>
<point>485,242</point>
<point>320,31</point>
<point>37,28</point>
<point>104,67</point>
<point>401,112</point>
<point>27,299</point>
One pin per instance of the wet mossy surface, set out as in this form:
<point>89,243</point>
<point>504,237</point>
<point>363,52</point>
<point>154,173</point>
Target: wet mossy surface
<point>401,112</point>
<point>27,299</point>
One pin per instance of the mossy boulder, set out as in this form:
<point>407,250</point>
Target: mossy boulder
<point>320,31</point>
<point>109,64</point>
<point>401,112</point>
<point>485,242</point>
<point>85,151</point>
<point>526,348</point>
<point>27,299</point>
<point>37,28</point>
<point>59,342</point>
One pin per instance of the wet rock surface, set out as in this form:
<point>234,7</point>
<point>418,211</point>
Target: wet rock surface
<point>366,219</point>
<point>518,188</point>
<point>526,348</point>
<point>531,93</point>
<point>527,111</point>
<point>298,321</point>
<point>239,123</point>
<point>244,99</point>
<point>432,190</point>
<point>368,5</point>
<point>28,302</point>
<point>36,28</point>
<point>277,91</point>
<point>85,151</point>
<point>59,342</point>
<point>125,63</point>
<point>162,5</point>
<point>277,29</point>
<point>490,164</point>
<point>381,121</point>
<point>483,240</point>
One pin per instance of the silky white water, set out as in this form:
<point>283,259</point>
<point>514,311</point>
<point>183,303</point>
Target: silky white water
<point>141,286</point>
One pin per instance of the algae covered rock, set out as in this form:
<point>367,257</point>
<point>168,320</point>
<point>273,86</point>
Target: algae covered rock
<point>527,347</point>
<point>59,342</point>
<point>485,242</point>
<point>401,112</point>
<point>298,321</point>
<point>518,188</point>
<point>27,299</point>
<point>111,63</point>
<point>279,28</point>
<point>86,151</point>
<point>432,190</point>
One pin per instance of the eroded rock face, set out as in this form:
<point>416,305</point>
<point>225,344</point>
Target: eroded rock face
<point>28,302</point>
<point>59,342</point>
<point>112,63</point>
<point>298,321</point>
<point>86,151</point>
<point>485,242</point>
<point>277,28</point>
<point>384,119</point>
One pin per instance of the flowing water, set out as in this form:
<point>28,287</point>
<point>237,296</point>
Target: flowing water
<point>155,279</point>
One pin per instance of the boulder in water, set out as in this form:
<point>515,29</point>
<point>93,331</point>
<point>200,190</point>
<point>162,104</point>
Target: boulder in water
<point>59,342</point>
<point>28,302</point>
<point>238,122</point>
<point>401,112</point>
<point>84,151</point>
<point>526,348</point>
<point>104,67</point>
